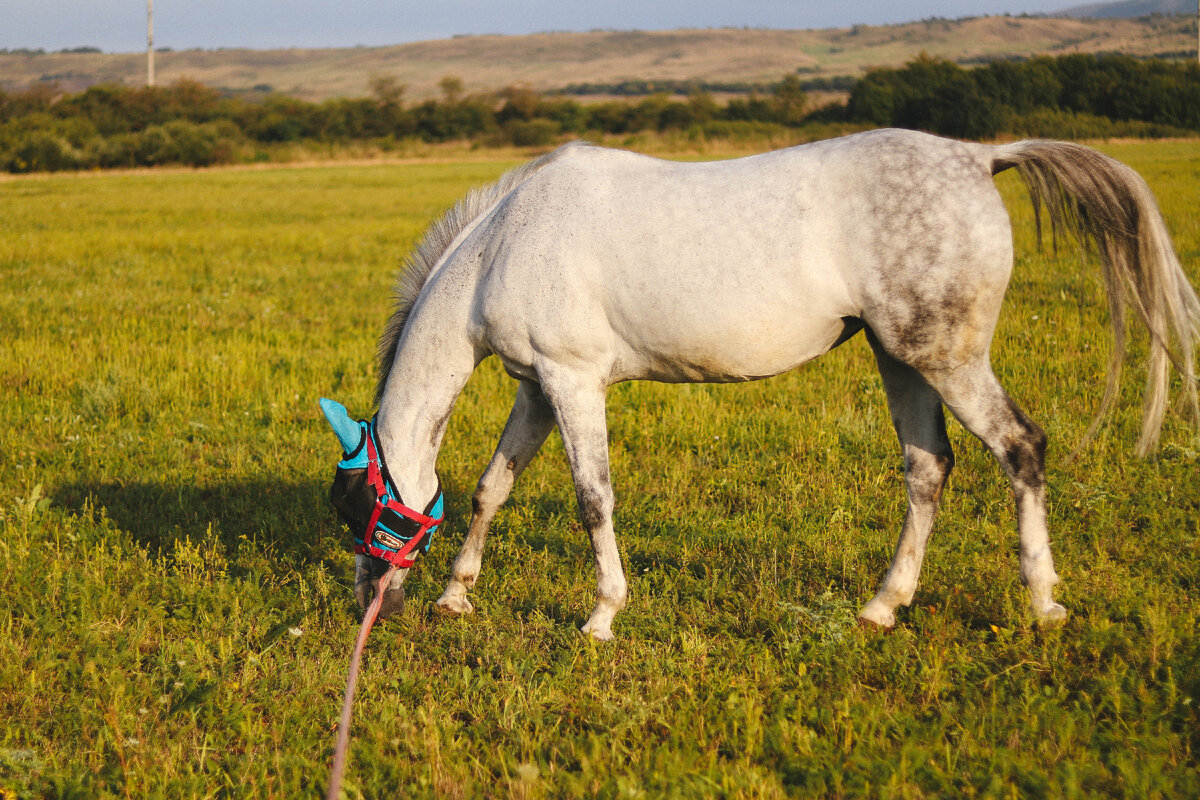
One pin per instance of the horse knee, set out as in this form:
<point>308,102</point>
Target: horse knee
<point>926,473</point>
<point>940,464</point>
<point>478,502</point>
<point>944,464</point>
<point>595,507</point>
<point>490,493</point>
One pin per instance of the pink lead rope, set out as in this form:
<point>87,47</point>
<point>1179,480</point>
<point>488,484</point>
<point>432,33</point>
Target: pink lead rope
<point>343,740</point>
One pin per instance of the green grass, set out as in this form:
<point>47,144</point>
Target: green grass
<point>164,534</point>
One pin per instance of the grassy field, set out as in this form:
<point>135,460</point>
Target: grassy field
<point>547,61</point>
<point>175,603</point>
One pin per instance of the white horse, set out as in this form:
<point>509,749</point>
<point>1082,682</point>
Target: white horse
<point>592,266</point>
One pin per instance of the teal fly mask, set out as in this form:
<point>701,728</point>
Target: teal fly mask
<point>367,500</point>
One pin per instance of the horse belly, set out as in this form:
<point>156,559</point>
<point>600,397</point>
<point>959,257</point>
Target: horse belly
<point>727,356</point>
<point>630,331</point>
<point>746,299</point>
<point>724,332</point>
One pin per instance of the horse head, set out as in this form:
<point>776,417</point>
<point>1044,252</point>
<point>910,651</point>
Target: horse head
<point>386,532</point>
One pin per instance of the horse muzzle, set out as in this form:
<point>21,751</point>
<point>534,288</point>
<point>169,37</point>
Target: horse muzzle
<point>367,572</point>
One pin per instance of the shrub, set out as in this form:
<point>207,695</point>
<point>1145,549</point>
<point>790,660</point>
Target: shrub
<point>177,142</point>
<point>191,144</point>
<point>736,131</point>
<point>40,151</point>
<point>1047,123</point>
<point>533,132</point>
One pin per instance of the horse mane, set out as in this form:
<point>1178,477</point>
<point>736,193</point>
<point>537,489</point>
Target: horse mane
<point>434,244</point>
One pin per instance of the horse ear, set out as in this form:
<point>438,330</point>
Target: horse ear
<point>348,431</point>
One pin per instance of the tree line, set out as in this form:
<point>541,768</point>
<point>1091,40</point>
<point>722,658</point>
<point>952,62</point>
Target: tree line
<point>1067,96</point>
<point>189,123</point>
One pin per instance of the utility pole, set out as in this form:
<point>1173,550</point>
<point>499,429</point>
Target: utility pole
<point>149,42</point>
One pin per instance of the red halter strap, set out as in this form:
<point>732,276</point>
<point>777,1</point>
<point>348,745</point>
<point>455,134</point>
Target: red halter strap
<point>400,553</point>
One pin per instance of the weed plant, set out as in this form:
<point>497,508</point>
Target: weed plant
<point>176,611</point>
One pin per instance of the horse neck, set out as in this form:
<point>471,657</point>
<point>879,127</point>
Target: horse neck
<point>432,364</point>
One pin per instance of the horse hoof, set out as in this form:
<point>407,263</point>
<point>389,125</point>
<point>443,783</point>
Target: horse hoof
<point>597,632</point>
<point>1053,616</point>
<point>876,618</point>
<point>455,606</point>
<point>873,627</point>
<point>393,603</point>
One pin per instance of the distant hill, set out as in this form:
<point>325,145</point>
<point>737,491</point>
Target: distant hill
<point>1131,8</point>
<point>550,61</point>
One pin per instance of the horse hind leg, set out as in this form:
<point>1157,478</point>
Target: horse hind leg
<point>916,410</point>
<point>986,410</point>
<point>529,423</point>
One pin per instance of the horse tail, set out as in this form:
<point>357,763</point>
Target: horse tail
<point>1111,211</point>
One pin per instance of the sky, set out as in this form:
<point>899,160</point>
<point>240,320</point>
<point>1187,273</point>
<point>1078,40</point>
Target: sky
<point>120,25</point>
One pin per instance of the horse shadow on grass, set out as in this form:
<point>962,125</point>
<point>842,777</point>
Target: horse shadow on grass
<point>272,527</point>
<point>287,524</point>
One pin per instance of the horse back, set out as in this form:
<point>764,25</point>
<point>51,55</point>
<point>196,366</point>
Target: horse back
<point>736,269</point>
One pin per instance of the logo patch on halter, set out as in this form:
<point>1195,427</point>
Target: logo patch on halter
<point>367,501</point>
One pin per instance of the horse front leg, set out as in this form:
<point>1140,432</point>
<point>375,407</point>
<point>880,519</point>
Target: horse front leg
<point>529,423</point>
<point>578,403</point>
